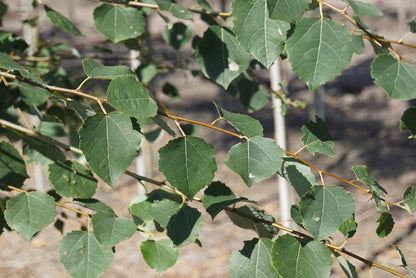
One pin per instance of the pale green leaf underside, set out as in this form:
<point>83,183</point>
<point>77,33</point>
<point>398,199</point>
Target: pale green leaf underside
<point>287,10</point>
<point>319,50</point>
<point>118,23</point>
<point>188,164</point>
<point>109,144</point>
<point>254,264</point>
<point>83,256</point>
<point>221,56</point>
<point>159,255</point>
<point>397,78</point>
<point>256,160</point>
<point>95,70</point>
<point>30,212</point>
<point>130,97</point>
<point>325,209</point>
<point>294,258</point>
<point>261,36</point>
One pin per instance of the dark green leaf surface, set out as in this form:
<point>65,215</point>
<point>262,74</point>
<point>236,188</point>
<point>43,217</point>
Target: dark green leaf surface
<point>385,224</point>
<point>176,10</point>
<point>409,198</point>
<point>261,36</point>
<point>362,9</point>
<point>83,256</point>
<point>246,125</point>
<point>252,96</point>
<point>324,209</point>
<point>412,25</point>
<point>185,226</point>
<point>131,98</point>
<point>408,121</point>
<point>221,56</point>
<point>378,191</point>
<point>95,70</point>
<point>397,78</point>
<point>110,230</point>
<point>348,228</point>
<point>404,263</point>
<point>33,95</point>
<point>95,205</point>
<point>12,166</point>
<point>41,151</point>
<point>188,163</point>
<point>118,23</point>
<point>217,197</point>
<point>298,174</point>
<point>61,21</point>
<point>159,255</point>
<point>109,144</point>
<point>346,266</point>
<point>30,212</point>
<point>317,138</point>
<point>9,64</point>
<point>256,160</point>
<point>81,110</point>
<point>319,50</point>
<point>287,10</point>
<point>253,261</point>
<point>241,217</point>
<point>293,257</point>
<point>177,35</point>
<point>51,126</point>
<point>71,179</point>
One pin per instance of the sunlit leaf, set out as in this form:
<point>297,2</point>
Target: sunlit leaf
<point>96,70</point>
<point>159,255</point>
<point>61,21</point>
<point>385,224</point>
<point>317,138</point>
<point>288,10</point>
<point>110,230</point>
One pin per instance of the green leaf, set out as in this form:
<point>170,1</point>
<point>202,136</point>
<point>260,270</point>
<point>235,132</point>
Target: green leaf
<point>346,266</point>
<point>30,212</point>
<point>358,43</point>
<point>71,179</point>
<point>256,160</point>
<point>60,21</point>
<point>95,205</point>
<point>81,110</point>
<point>296,214</point>
<point>110,230</point>
<point>385,224</point>
<point>171,91</point>
<point>362,9</point>
<point>298,174</point>
<point>118,23</point>
<point>131,98</point>
<point>12,166</point>
<point>51,126</point>
<point>301,258</point>
<point>319,50</point>
<point>404,263</point>
<point>33,95</point>
<point>3,11</point>
<point>412,25</point>
<point>261,36</point>
<point>348,228</point>
<point>185,226</point>
<point>205,5</point>
<point>247,218</point>
<point>163,125</point>
<point>254,260</point>
<point>95,70</point>
<point>251,95</point>
<point>408,121</point>
<point>324,209</point>
<point>221,56</point>
<point>159,255</point>
<point>217,197</point>
<point>9,64</point>
<point>377,191</point>
<point>176,10</point>
<point>288,10</point>
<point>246,125</point>
<point>41,151</point>
<point>396,77</point>
<point>83,256</point>
<point>188,164</point>
<point>109,144</point>
<point>177,35</point>
<point>317,138</point>
<point>409,198</point>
